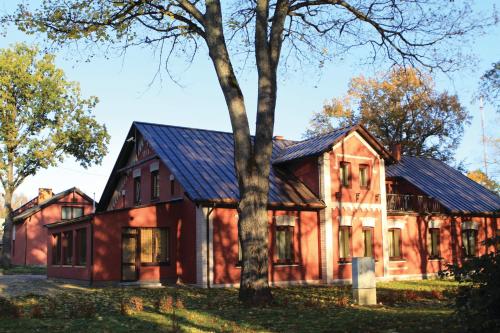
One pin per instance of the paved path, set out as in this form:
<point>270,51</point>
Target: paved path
<point>16,285</point>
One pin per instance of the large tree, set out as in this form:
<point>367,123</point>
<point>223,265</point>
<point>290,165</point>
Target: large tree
<point>423,32</point>
<point>43,118</point>
<point>399,107</point>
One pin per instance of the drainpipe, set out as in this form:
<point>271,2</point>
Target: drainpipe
<point>209,211</point>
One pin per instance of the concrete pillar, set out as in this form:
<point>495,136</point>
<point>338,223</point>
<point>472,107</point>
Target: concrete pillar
<point>364,289</point>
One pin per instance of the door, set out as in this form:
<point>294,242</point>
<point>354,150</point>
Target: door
<point>130,254</point>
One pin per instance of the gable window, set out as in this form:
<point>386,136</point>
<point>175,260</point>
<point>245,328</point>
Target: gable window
<point>469,242</point>
<point>71,212</point>
<point>368,242</point>
<point>137,191</point>
<point>434,239</point>
<point>394,244</point>
<point>345,174</point>
<point>155,246</point>
<point>155,185</point>
<point>56,249</point>
<point>364,176</point>
<point>345,243</point>
<point>67,246</point>
<point>81,247</point>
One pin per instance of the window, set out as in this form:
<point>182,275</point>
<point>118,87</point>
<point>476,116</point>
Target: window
<point>137,191</point>
<point>395,244</point>
<point>240,253</point>
<point>368,242</point>
<point>81,247</point>
<point>155,246</point>
<point>434,239</point>
<point>172,186</point>
<point>71,212</point>
<point>56,249</point>
<point>155,185</point>
<point>469,242</point>
<point>67,246</point>
<point>498,240</point>
<point>364,176</point>
<point>284,244</point>
<point>345,243</point>
<point>345,174</point>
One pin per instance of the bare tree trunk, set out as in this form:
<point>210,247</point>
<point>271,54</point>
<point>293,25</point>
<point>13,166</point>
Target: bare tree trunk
<point>7,230</point>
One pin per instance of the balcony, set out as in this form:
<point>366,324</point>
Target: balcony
<point>412,203</point>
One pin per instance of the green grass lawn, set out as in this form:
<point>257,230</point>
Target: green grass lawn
<point>16,270</point>
<point>424,307</point>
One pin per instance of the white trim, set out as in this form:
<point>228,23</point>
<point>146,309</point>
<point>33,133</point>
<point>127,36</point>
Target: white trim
<point>172,177</point>
<point>356,205</point>
<point>326,222</point>
<point>396,224</point>
<point>211,249</point>
<point>383,204</point>
<point>345,220</point>
<point>433,224</point>
<point>136,173</point>
<point>360,138</point>
<point>368,222</point>
<point>470,225</point>
<point>155,166</point>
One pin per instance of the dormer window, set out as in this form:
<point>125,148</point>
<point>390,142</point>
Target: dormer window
<point>345,174</point>
<point>71,212</point>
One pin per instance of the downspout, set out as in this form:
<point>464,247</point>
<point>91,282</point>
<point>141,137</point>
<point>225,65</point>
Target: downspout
<point>209,211</point>
<point>26,240</point>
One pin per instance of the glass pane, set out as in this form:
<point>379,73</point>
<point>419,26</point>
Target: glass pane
<point>362,176</point>
<point>397,243</point>
<point>367,234</point>
<point>161,245</point>
<point>344,243</point>
<point>68,248</point>
<point>289,243</point>
<point>472,242</point>
<point>435,242</point>
<point>465,242</point>
<point>147,245</point>
<point>81,236</point>
<point>280,244</point>
<point>66,213</point>
<point>391,243</point>
<point>77,212</point>
<point>128,250</point>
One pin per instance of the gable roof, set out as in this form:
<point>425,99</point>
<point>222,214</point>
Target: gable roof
<point>39,206</point>
<point>203,163</point>
<point>455,191</point>
<point>322,143</point>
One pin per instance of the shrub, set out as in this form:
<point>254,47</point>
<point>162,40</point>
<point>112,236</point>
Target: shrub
<point>478,296</point>
<point>342,301</point>
<point>8,309</point>
<point>165,304</point>
<point>179,304</point>
<point>131,305</point>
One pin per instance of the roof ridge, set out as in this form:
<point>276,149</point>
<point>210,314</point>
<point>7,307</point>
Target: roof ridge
<point>323,134</point>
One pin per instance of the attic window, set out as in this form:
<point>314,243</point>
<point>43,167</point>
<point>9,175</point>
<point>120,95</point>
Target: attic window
<point>71,212</point>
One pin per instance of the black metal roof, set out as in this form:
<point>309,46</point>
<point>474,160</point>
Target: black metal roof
<point>203,162</point>
<point>455,191</point>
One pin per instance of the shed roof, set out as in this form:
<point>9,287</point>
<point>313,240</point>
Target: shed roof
<point>455,191</point>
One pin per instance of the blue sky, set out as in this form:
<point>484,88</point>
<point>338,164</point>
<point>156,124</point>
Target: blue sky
<point>123,87</point>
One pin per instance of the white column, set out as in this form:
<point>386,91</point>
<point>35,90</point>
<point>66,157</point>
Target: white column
<point>383,210</point>
<point>326,223</point>
<point>201,247</point>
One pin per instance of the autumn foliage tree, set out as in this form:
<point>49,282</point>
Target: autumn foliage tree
<point>422,32</point>
<point>43,119</point>
<point>399,107</point>
<point>480,177</point>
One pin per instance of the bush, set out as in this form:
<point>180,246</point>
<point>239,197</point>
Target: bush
<point>478,297</point>
<point>165,304</point>
<point>131,305</point>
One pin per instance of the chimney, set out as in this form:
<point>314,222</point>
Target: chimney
<point>396,152</point>
<point>278,137</point>
<point>44,194</point>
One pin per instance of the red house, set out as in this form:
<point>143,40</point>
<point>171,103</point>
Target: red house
<point>29,235</point>
<point>168,212</point>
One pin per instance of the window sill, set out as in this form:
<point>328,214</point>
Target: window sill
<point>397,260</point>
<point>284,264</point>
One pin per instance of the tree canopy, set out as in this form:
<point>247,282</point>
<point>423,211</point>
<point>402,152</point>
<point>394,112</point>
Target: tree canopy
<point>420,32</point>
<point>43,119</point>
<point>489,85</point>
<point>399,107</point>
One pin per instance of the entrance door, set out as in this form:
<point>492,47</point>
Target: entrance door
<point>130,254</point>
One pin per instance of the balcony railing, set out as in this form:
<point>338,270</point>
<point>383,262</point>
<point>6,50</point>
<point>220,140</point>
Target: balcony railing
<point>412,203</point>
